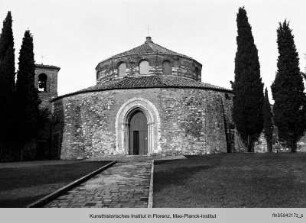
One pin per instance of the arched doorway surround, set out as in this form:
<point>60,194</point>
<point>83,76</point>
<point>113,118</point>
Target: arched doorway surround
<point>122,125</point>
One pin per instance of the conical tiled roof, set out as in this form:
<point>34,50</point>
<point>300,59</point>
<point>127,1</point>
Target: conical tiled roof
<point>149,47</point>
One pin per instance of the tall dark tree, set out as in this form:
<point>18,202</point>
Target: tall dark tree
<point>26,94</point>
<point>268,123</point>
<point>248,86</point>
<point>7,84</point>
<point>288,90</point>
<point>7,57</point>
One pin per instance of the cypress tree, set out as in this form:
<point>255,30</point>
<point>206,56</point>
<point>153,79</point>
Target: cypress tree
<point>7,84</point>
<point>248,86</point>
<point>288,90</point>
<point>26,93</point>
<point>7,57</point>
<point>268,124</point>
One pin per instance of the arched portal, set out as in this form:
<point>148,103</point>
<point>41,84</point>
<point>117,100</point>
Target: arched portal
<point>145,112</point>
<point>138,133</point>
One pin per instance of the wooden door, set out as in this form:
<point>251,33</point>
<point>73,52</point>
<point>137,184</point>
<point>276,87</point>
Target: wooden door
<point>138,134</point>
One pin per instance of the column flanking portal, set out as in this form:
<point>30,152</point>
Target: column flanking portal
<point>122,125</point>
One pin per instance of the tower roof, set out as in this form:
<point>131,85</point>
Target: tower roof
<point>43,66</point>
<point>148,47</point>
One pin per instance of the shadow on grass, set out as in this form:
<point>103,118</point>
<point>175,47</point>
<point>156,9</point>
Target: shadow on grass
<point>232,181</point>
<point>24,185</point>
<point>19,203</point>
<point>177,176</point>
<point>13,178</point>
<point>157,162</point>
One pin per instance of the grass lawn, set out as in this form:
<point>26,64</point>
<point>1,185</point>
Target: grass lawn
<point>232,181</point>
<point>24,184</point>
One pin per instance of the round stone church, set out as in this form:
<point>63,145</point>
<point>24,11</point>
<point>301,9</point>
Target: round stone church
<point>147,101</point>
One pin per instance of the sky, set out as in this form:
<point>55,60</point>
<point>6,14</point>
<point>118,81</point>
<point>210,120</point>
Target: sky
<point>78,34</point>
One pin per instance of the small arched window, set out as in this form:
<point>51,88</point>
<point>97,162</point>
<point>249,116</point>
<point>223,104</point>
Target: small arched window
<point>144,67</point>
<point>122,69</point>
<point>227,97</point>
<point>197,73</point>
<point>42,82</point>
<point>196,70</point>
<point>167,69</point>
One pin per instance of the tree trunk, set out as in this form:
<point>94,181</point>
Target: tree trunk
<point>269,146</point>
<point>20,148</point>
<point>250,144</point>
<point>293,146</point>
<point>2,152</point>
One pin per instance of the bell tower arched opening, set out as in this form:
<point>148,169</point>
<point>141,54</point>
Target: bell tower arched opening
<point>42,82</point>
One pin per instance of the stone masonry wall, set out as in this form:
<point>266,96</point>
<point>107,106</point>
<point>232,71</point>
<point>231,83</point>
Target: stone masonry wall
<point>192,121</point>
<point>181,66</point>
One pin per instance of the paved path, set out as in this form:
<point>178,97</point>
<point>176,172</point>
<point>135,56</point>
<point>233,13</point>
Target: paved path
<point>124,185</point>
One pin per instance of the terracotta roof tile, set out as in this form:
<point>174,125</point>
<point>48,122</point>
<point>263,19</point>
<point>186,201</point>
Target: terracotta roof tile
<point>149,47</point>
<point>155,81</point>
<point>47,66</point>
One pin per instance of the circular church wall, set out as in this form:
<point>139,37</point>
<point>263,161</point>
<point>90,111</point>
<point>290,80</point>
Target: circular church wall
<point>179,121</point>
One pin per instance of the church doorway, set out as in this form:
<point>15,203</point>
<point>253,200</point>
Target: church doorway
<point>148,127</point>
<point>138,133</point>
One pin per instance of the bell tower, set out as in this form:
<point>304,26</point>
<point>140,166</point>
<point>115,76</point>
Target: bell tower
<point>46,83</point>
